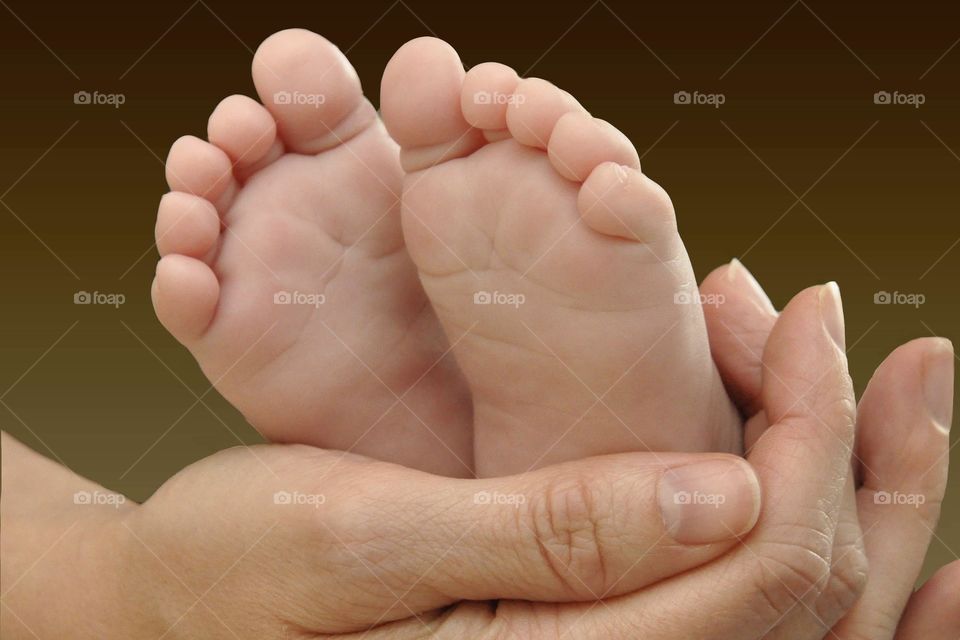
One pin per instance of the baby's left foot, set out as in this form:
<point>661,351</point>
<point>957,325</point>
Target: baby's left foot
<point>285,274</point>
<point>554,266</point>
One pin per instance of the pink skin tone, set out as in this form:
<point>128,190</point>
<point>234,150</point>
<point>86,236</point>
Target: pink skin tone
<point>903,421</point>
<point>556,211</point>
<point>301,197</point>
<point>584,225</point>
<point>596,355</point>
<point>212,555</point>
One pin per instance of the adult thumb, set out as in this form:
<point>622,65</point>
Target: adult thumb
<point>577,531</point>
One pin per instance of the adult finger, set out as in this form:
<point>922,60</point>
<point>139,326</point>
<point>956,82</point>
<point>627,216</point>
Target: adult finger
<point>903,442</point>
<point>742,328</point>
<point>736,331</point>
<point>356,543</point>
<point>802,461</point>
<point>738,327</point>
<point>845,584</point>
<point>933,612</point>
<point>578,531</point>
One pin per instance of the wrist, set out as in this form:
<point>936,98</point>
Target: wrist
<point>107,590</point>
<point>155,600</point>
<point>62,558</point>
<point>69,563</point>
<point>129,583</point>
<point>70,576</point>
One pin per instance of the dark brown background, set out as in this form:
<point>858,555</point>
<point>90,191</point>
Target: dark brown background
<point>81,183</point>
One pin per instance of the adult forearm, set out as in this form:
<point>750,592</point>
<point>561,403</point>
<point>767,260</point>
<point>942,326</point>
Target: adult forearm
<point>66,567</point>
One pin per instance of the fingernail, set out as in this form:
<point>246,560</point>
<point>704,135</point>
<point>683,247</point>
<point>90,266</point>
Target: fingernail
<point>938,382</point>
<point>831,313</point>
<point>710,501</point>
<point>739,274</point>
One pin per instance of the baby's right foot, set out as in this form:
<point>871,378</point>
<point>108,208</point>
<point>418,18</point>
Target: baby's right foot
<point>554,265</point>
<point>285,273</point>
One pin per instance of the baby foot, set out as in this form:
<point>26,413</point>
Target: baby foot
<point>554,265</point>
<point>284,270</point>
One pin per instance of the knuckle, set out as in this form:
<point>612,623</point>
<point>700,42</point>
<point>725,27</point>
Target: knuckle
<point>839,412</point>
<point>833,409</point>
<point>790,574</point>
<point>567,521</point>
<point>848,579</point>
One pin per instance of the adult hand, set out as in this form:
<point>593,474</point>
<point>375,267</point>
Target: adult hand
<point>902,450</point>
<point>284,540</point>
<point>218,552</point>
<point>278,540</point>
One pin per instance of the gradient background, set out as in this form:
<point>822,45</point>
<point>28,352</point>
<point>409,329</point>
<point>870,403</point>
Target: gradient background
<point>108,393</point>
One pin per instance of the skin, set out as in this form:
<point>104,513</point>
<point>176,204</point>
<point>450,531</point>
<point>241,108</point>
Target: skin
<point>252,212</point>
<point>903,423</point>
<point>598,354</point>
<point>212,555</point>
<point>201,558</point>
<point>356,559</point>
